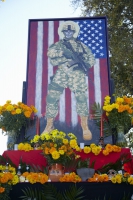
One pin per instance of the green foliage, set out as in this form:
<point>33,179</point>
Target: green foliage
<point>120,31</point>
<point>5,195</point>
<point>4,160</point>
<point>49,192</point>
<point>115,166</point>
<point>97,112</point>
<point>83,163</point>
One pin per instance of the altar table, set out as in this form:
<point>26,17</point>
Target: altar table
<point>35,157</point>
<point>92,191</point>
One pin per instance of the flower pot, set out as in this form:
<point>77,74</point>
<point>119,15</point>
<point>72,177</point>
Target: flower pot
<point>11,140</point>
<point>85,173</point>
<point>121,140</point>
<point>56,171</point>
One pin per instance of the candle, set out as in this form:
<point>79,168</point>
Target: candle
<point>101,127</point>
<point>37,125</point>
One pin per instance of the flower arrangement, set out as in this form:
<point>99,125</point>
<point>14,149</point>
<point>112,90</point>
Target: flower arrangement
<point>120,112</point>
<point>118,178</point>
<point>14,116</point>
<point>99,178</point>
<point>57,147</point>
<point>72,177</point>
<point>7,179</point>
<point>33,177</point>
<point>87,149</point>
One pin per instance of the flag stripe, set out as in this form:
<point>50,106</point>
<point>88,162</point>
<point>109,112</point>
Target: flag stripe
<point>45,67</point>
<point>105,80</point>
<point>31,68</point>
<point>97,82</point>
<point>38,89</point>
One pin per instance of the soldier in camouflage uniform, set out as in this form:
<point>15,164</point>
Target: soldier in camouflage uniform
<point>73,59</point>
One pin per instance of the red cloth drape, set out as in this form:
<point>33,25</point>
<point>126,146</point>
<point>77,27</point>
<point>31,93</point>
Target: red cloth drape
<point>35,157</point>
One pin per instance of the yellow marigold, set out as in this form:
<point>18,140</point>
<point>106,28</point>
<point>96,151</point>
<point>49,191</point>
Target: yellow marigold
<point>77,148</point>
<point>107,98</point>
<point>130,180</point>
<point>113,179</point>
<point>42,136</point>
<point>20,146</point>
<point>18,111</point>
<point>92,145</point>
<point>119,100</point>
<point>36,138</point>
<point>61,152</point>
<point>118,178</point>
<point>96,150</point>
<point>65,141</point>
<point>72,136</point>
<point>8,101</point>
<point>87,149</point>
<point>15,180</point>
<point>73,143</point>
<point>47,136</point>
<point>9,108</point>
<point>55,155</point>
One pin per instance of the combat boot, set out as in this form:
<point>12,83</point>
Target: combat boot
<point>49,126</point>
<point>87,135</point>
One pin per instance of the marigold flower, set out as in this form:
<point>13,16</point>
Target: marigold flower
<point>55,155</point>
<point>18,111</point>
<point>2,189</point>
<point>87,149</point>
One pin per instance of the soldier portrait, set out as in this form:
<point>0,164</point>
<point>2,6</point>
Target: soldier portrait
<point>73,59</point>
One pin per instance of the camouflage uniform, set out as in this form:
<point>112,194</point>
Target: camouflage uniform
<point>68,75</point>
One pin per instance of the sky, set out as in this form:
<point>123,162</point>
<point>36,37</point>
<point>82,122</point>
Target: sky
<point>14,18</point>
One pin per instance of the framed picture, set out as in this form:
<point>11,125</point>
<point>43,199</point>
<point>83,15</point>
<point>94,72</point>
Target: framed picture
<point>67,72</point>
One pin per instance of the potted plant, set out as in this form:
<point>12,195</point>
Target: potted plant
<point>13,117</point>
<point>58,149</point>
<point>83,169</point>
<point>119,116</point>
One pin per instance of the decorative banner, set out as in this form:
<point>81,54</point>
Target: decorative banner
<point>42,34</point>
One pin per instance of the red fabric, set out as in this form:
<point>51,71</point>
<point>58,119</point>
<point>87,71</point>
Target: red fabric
<point>35,157</point>
<point>101,160</point>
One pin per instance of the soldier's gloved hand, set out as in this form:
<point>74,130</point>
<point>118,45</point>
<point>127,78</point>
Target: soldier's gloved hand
<point>67,54</point>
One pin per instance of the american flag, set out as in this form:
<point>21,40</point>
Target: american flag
<point>43,33</point>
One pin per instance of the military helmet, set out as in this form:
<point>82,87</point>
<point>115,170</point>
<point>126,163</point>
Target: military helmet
<point>68,25</point>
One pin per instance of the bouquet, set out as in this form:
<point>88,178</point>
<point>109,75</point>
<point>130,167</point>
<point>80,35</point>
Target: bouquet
<point>15,116</point>
<point>120,112</point>
<point>57,146</point>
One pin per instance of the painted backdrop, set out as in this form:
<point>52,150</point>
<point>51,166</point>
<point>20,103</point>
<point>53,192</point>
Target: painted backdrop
<point>42,34</point>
